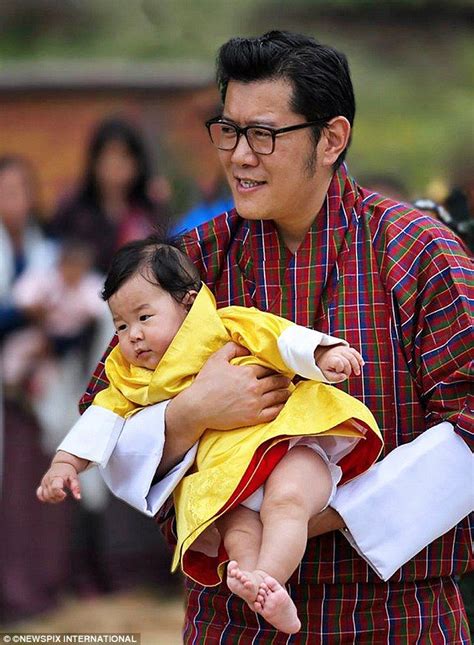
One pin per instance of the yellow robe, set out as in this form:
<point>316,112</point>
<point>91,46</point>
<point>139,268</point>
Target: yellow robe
<point>223,457</point>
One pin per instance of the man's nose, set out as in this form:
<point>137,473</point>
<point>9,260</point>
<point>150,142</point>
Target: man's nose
<point>243,155</point>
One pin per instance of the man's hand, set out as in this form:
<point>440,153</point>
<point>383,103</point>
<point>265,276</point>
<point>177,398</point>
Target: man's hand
<point>226,396</point>
<point>324,522</point>
<point>222,397</point>
<point>338,362</point>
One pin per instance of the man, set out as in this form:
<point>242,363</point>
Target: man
<point>307,243</point>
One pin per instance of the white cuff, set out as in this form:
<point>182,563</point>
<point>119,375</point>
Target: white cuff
<point>296,346</point>
<point>133,463</point>
<point>414,495</point>
<point>94,435</point>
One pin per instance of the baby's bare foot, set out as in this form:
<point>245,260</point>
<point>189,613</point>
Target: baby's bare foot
<point>244,584</point>
<point>274,603</point>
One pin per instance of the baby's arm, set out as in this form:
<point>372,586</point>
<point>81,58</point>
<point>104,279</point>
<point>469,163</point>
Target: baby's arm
<point>338,362</point>
<point>62,473</point>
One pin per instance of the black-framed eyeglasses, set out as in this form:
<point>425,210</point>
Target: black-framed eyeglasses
<point>226,135</point>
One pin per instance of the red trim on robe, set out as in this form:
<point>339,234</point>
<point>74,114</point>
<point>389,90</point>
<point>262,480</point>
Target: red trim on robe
<point>203,568</point>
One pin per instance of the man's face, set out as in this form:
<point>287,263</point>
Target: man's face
<point>279,186</point>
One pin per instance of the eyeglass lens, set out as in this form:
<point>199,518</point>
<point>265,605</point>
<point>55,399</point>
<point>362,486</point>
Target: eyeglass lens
<point>224,136</point>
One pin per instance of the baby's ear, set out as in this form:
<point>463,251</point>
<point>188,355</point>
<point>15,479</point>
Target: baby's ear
<point>189,298</point>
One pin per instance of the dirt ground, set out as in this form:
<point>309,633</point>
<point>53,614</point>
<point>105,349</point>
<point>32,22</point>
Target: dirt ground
<point>156,618</point>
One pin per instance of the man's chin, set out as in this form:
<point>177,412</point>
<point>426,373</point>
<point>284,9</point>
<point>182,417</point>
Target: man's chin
<point>249,211</point>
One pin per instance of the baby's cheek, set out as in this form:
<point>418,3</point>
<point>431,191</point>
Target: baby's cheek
<point>127,352</point>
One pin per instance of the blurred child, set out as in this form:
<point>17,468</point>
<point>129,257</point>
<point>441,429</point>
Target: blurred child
<point>61,304</point>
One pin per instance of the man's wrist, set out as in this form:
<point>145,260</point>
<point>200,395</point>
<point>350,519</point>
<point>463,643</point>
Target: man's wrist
<point>182,431</point>
<point>183,420</point>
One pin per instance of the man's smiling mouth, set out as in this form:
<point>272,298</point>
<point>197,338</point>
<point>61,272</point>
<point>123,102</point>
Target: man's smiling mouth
<point>249,183</point>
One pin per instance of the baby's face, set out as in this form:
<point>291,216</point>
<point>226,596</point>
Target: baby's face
<point>147,319</point>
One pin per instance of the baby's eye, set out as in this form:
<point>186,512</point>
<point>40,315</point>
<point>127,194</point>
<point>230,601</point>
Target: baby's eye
<point>121,327</point>
<point>144,317</point>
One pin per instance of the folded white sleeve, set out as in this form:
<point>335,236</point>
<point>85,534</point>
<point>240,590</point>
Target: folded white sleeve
<point>94,435</point>
<point>414,495</point>
<point>296,346</point>
<point>135,458</point>
<point>128,453</point>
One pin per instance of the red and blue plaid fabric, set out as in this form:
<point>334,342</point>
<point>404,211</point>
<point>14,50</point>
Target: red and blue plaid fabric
<point>397,286</point>
<point>424,612</point>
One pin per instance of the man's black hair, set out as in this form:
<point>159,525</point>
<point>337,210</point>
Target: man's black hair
<point>319,75</point>
<point>158,260</point>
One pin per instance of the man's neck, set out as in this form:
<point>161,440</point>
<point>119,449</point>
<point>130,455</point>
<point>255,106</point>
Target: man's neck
<point>293,231</point>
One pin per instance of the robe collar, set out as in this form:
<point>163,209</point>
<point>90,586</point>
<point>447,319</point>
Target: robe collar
<point>294,285</point>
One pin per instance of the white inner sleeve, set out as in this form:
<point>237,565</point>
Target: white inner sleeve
<point>136,456</point>
<point>296,346</point>
<point>94,435</point>
<point>414,495</point>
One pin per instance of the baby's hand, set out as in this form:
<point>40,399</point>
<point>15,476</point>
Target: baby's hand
<point>59,476</point>
<point>338,363</point>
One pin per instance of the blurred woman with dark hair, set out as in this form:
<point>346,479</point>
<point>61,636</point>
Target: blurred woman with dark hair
<point>32,571</point>
<point>111,205</point>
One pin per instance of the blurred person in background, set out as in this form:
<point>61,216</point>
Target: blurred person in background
<point>112,204</point>
<point>213,199</point>
<point>455,207</point>
<point>32,571</point>
<point>453,202</point>
<point>388,185</point>
<point>61,304</point>
<point>307,242</point>
<point>460,205</point>
<point>23,245</point>
<point>454,214</point>
<point>117,201</point>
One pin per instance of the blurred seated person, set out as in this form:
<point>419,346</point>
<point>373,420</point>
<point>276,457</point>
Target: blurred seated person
<point>112,204</point>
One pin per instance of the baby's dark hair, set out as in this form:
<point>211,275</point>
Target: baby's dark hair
<point>158,260</point>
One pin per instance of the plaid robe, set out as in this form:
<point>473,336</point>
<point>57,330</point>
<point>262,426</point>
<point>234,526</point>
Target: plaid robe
<point>394,283</point>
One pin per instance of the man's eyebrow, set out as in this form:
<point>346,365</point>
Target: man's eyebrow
<point>264,121</point>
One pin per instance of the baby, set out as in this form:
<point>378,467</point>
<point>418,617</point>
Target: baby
<point>167,326</point>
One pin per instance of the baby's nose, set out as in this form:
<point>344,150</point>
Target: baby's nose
<point>136,333</point>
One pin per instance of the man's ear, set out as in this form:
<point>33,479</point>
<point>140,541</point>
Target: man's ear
<point>334,139</point>
<point>189,298</point>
